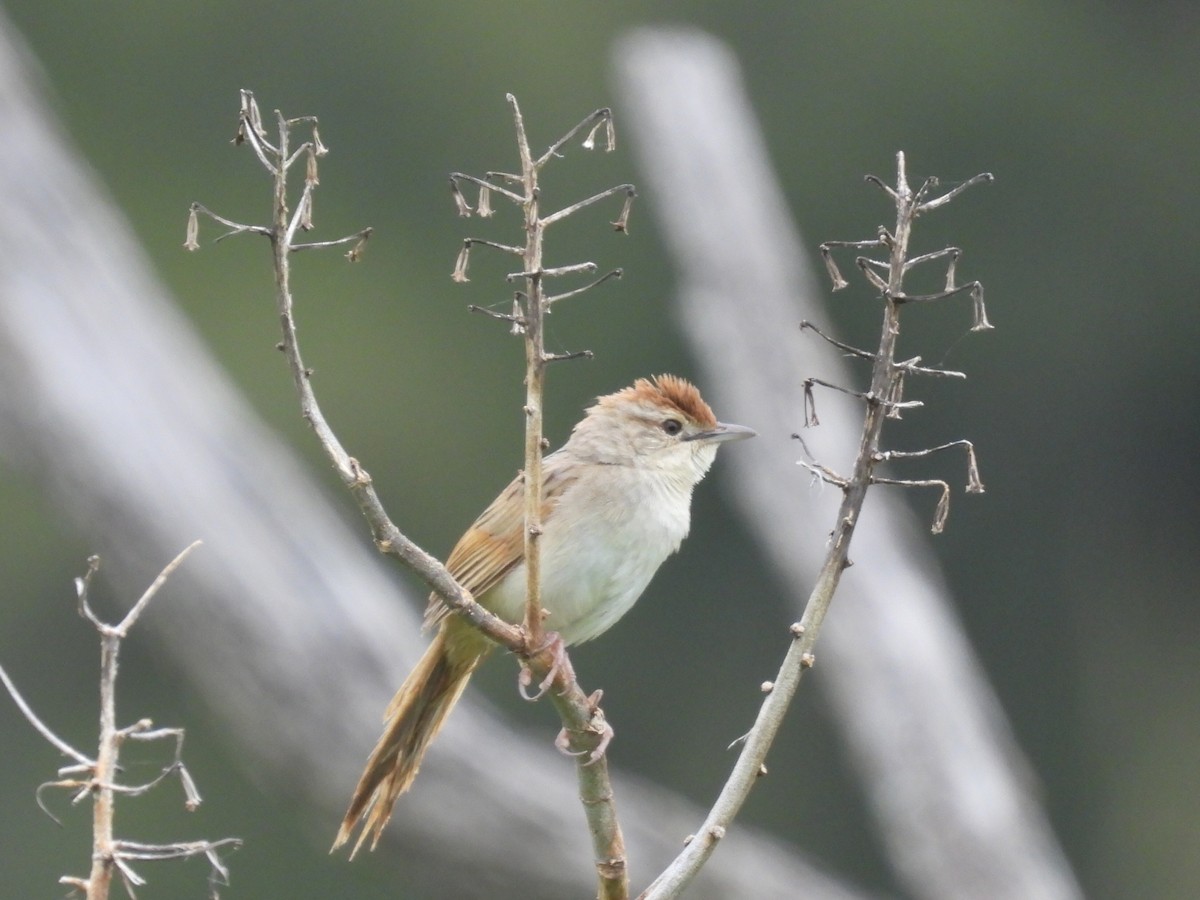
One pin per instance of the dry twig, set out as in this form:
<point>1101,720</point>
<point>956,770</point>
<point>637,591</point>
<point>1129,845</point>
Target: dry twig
<point>98,778</point>
<point>586,729</point>
<point>277,158</point>
<point>580,714</point>
<point>882,400</point>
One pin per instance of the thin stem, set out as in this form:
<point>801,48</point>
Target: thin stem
<point>615,273</point>
<point>981,178</point>
<point>103,809</point>
<point>535,381</point>
<point>484,184</point>
<point>556,271</point>
<point>388,538</point>
<point>594,120</point>
<point>580,714</point>
<point>136,611</point>
<point>357,239</point>
<point>853,351</point>
<point>626,189</point>
<point>943,505</point>
<point>44,730</point>
<point>564,357</point>
<point>799,657</point>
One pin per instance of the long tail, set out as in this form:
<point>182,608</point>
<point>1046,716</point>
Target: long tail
<point>413,719</point>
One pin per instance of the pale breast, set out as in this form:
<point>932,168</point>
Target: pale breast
<point>600,548</point>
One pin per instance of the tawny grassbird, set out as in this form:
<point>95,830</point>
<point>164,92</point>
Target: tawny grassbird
<point>617,502</point>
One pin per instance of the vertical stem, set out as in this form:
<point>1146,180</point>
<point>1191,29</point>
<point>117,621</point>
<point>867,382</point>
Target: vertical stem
<point>883,373</point>
<point>679,874</point>
<point>535,381</point>
<point>100,877</point>
<point>281,248</point>
<point>279,228</point>
<point>595,789</point>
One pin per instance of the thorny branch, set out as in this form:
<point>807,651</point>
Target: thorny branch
<point>882,400</point>
<point>98,778</point>
<point>586,731</point>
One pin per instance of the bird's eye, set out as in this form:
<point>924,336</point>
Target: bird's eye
<point>672,426</point>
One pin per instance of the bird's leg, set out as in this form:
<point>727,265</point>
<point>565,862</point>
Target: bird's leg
<point>597,725</point>
<point>559,662</point>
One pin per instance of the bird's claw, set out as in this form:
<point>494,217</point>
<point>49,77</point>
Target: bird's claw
<point>597,725</point>
<point>558,663</point>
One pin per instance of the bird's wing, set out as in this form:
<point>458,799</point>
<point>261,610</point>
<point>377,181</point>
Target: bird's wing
<point>495,543</point>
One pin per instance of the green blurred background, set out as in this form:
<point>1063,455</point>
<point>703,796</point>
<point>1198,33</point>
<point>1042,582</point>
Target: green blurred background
<point>1075,574</point>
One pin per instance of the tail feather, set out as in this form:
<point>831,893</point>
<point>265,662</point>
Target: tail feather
<point>413,719</point>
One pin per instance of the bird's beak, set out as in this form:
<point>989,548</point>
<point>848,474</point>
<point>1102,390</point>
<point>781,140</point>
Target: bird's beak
<point>723,433</point>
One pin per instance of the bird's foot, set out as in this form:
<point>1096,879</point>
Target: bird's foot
<point>559,663</point>
<point>597,725</point>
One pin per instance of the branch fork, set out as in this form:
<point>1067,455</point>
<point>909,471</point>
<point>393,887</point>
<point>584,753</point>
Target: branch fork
<point>583,722</point>
<point>97,778</point>
<point>278,158</point>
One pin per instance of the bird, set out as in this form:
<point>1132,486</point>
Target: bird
<point>616,502</point>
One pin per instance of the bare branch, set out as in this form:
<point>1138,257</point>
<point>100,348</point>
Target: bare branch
<point>826,475</point>
<point>628,189</point>
<point>910,367</point>
<point>930,205</point>
<point>601,117</point>
<point>975,288</point>
<point>99,775</point>
<point>44,730</point>
<point>974,485</point>
<point>883,186</point>
<point>868,396</point>
<point>853,351</point>
<point>952,252</point>
<point>515,317</point>
<point>865,263</point>
<point>485,185</point>
<point>235,228</point>
<point>577,713</point>
<point>562,357</point>
<point>585,729</point>
<point>827,249</point>
<point>82,585</point>
<point>943,505</point>
<point>388,538</point>
<point>251,131</point>
<point>882,400</point>
<point>358,238</point>
<point>132,616</point>
<point>460,266</point>
<point>615,273</point>
<point>557,272</point>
